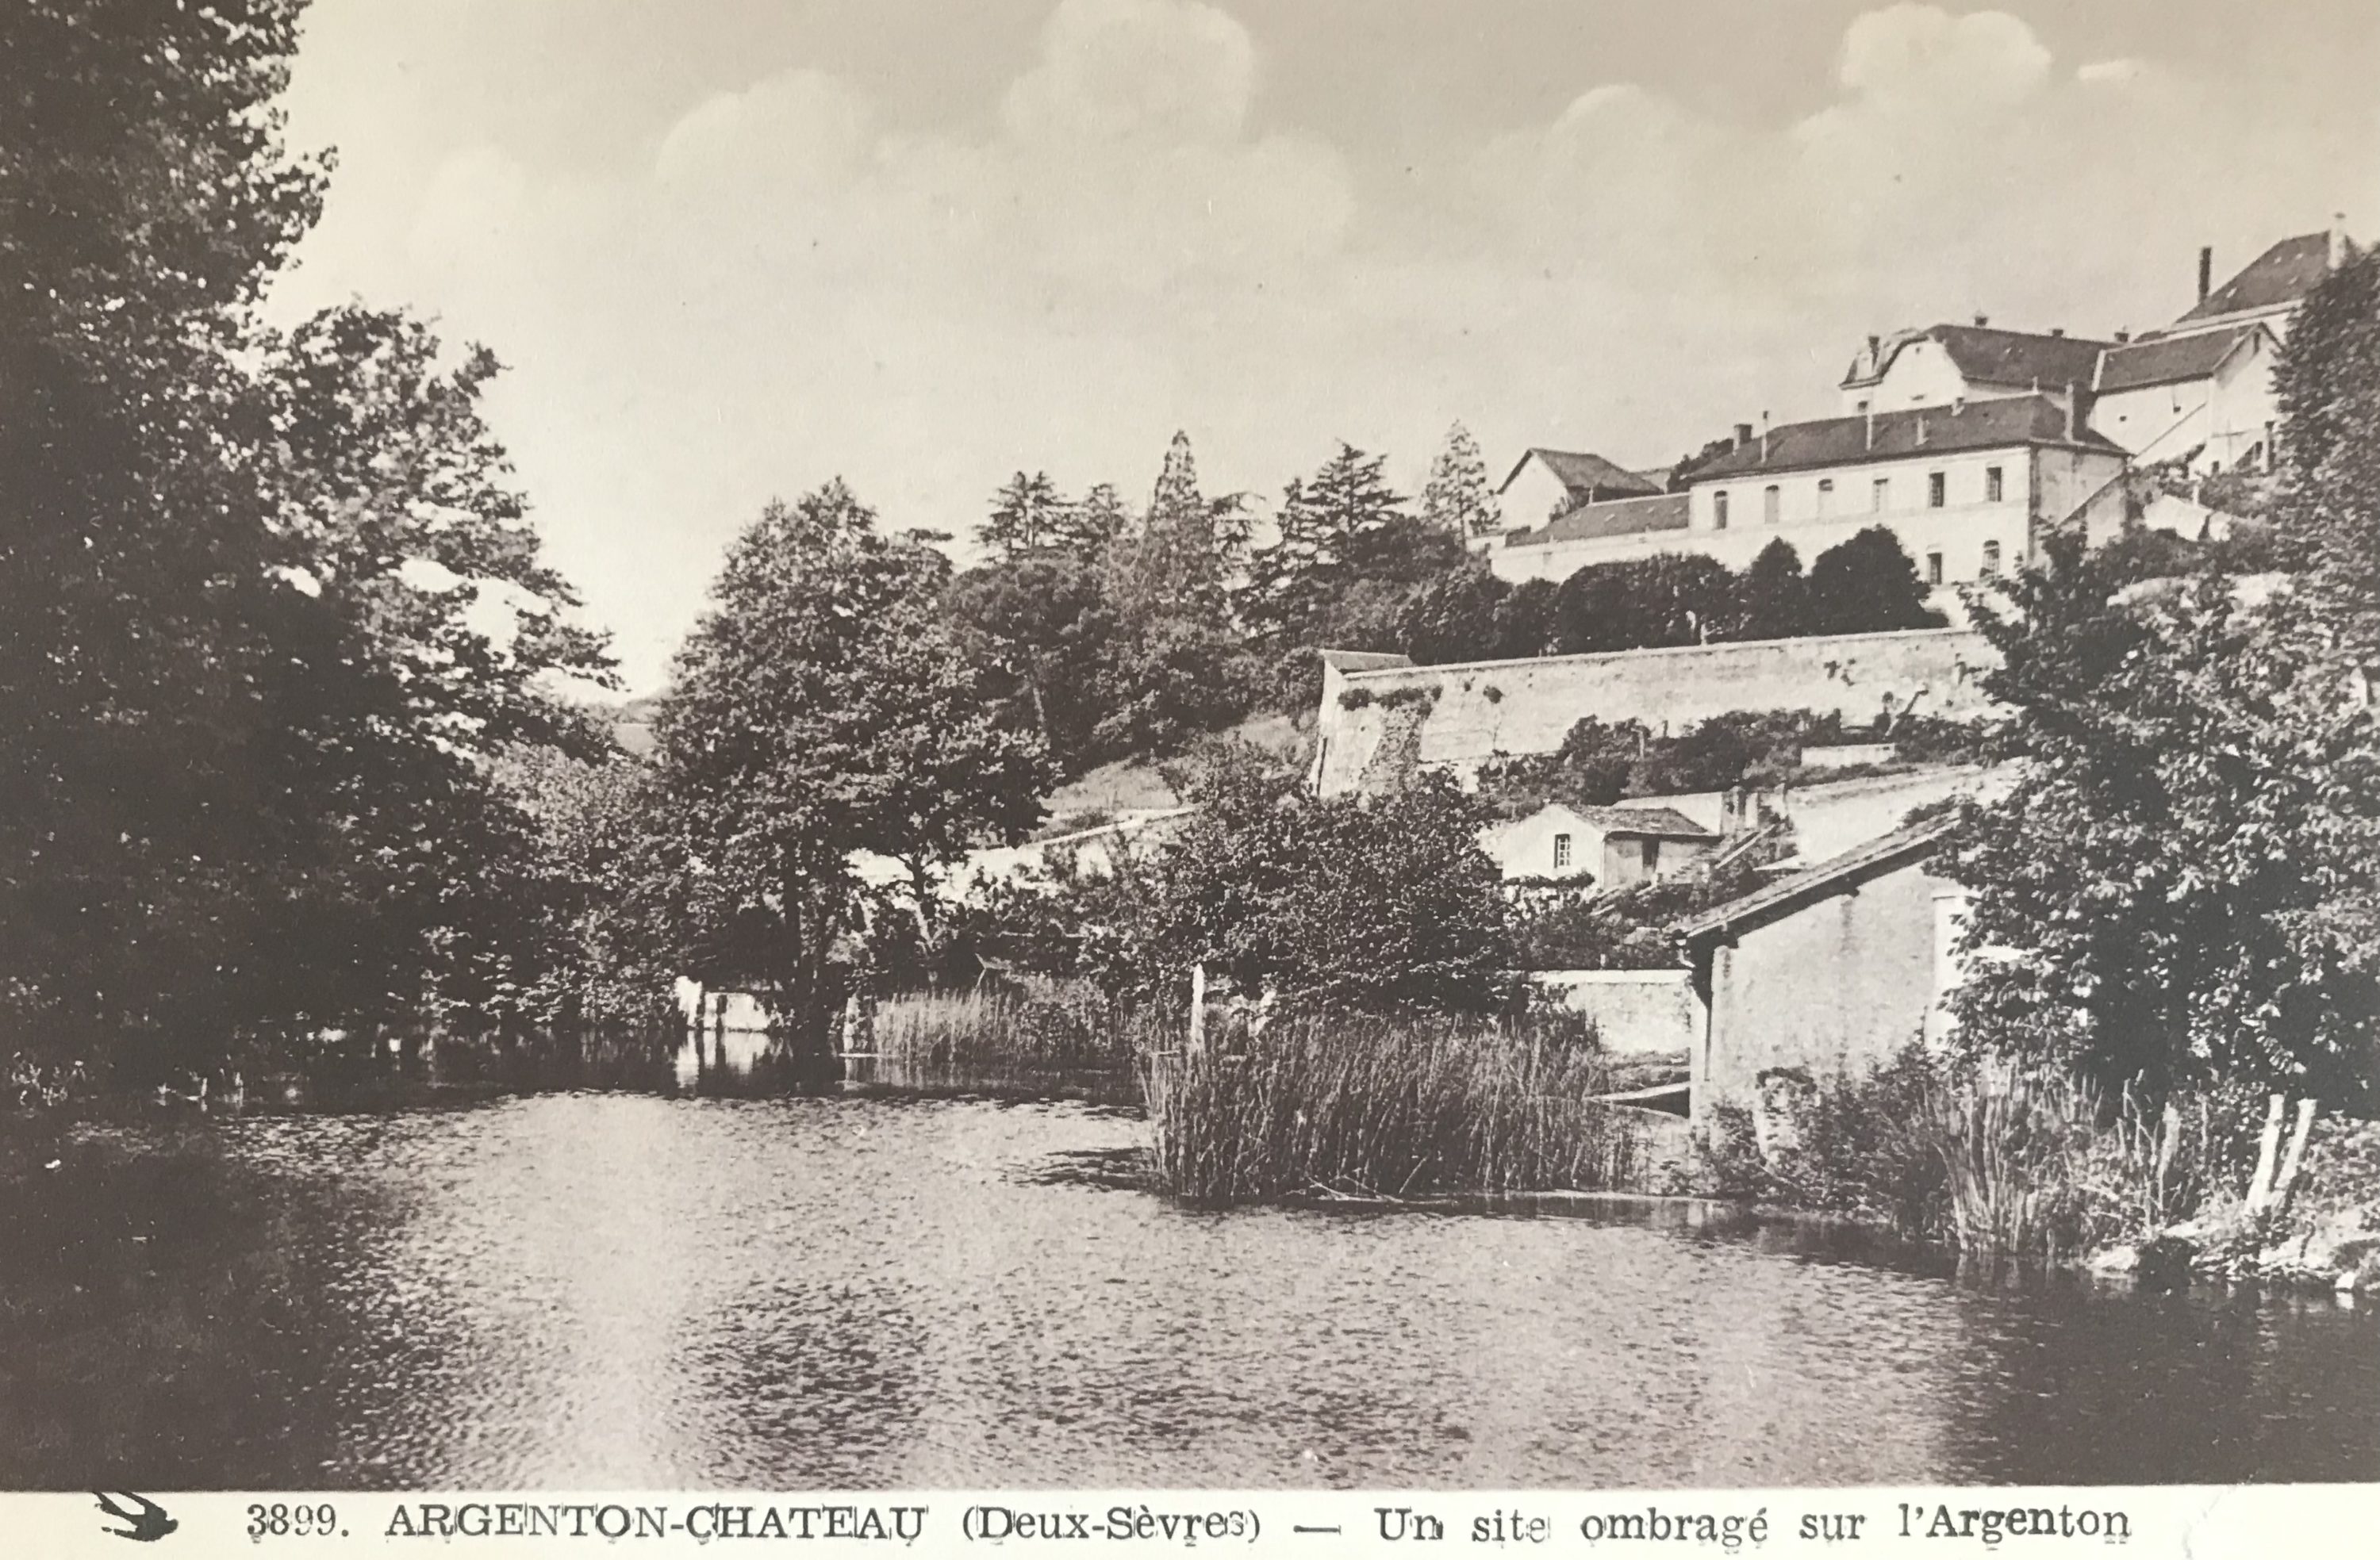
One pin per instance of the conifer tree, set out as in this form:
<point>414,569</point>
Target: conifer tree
<point>1025,516</point>
<point>1085,527</point>
<point>1457,497</point>
<point>1343,524</point>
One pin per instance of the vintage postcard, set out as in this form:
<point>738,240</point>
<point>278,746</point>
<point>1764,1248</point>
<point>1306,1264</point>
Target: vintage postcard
<point>1312,776</point>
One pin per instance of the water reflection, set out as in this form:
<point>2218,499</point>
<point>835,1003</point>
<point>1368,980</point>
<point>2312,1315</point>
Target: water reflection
<point>687,1286</point>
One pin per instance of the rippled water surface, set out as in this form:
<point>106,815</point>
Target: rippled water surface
<point>610,1290</point>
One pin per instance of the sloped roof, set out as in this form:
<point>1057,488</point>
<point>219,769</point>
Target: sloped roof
<point>1999,423</point>
<point>1663,823</point>
<point>2282,274</point>
<point>1861,863</point>
<point>1621,518</point>
<point>1583,473</point>
<point>1986,356</point>
<point>2171,359</point>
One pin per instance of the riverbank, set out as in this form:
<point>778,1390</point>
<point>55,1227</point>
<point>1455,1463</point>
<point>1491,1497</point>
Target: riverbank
<point>2010,1165</point>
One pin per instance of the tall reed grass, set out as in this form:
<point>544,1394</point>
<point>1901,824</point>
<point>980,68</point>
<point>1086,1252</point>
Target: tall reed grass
<point>1003,1034</point>
<point>1358,1107</point>
<point>1999,1160</point>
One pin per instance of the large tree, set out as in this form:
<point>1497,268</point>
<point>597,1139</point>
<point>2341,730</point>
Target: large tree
<point>1341,524</point>
<point>1025,516</point>
<point>1457,499</point>
<point>2148,900</point>
<point>144,201</point>
<point>1040,627</point>
<point>1775,597</point>
<point>822,707</point>
<point>1867,583</point>
<point>1372,904</point>
<point>1668,598</point>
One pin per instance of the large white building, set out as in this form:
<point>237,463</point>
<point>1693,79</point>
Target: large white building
<point>1968,488</point>
<point>1964,440</point>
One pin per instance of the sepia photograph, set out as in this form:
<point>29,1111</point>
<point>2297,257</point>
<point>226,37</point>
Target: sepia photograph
<point>1297,746</point>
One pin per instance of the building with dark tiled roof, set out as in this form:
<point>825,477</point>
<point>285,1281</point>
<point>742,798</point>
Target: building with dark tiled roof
<point>2269,289</point>
<point>1544,484</point>
<point>2199,391</point>
<point>1969,489</point>
<point>1945,363</point>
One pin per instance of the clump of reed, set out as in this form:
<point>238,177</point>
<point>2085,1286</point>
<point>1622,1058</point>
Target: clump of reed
<point>2000,1160</point>
<point>992,1033</point>
<point>1340,1106</point>
<point>2013,1143</point>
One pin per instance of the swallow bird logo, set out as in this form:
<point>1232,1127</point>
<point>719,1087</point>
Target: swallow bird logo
<point>148,1519</point>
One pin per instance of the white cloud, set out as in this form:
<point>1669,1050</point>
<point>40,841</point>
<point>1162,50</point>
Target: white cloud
<point>801,129</point>
<point>791,280</point>
<point>1135,70</point>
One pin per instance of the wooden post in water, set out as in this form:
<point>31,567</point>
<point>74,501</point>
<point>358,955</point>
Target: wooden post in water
<point>1198,1007</point>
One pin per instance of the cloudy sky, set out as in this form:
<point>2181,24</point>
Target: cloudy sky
<point>731,247</point>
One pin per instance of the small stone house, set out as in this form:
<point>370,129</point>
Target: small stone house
<point>1824,975</point>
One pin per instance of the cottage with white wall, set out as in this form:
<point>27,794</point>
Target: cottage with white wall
<point>1606,847</point>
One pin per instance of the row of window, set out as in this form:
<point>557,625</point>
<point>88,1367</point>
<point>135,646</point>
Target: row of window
<point>1879,497</point>
<point>1990,566</point>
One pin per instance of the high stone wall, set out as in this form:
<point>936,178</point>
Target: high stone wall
<point>1488,709</point>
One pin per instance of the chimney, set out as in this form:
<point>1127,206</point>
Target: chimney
<point>1958,406</point>
<point>1875,348</point>
<point>1743,434</point>
<point>2069,411</point>
<point>2337,254</point>
<point>1869,407</point>
<point>1921,429</point>
<point>2058,329</point>
<point>1981,321</point>
<point>2123,336</point>
<point>2205,271</point>
<point>1763,436</point>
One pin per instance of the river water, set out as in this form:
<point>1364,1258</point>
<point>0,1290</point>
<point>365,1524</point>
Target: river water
<point>660,1289</point>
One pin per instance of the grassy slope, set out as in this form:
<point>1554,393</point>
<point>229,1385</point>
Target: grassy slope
<point>1131,783</point>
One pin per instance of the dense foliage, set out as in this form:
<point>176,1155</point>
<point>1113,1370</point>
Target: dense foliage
<point>1865,585</point>
<point>821,707</point>
<point>2182,887</point>
<point>269,608</point>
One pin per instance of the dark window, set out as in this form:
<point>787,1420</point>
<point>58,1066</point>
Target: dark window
<point>1937,489</point>
<point>1933,568</point>
<point>1993,489</point>
<point>1652,854</point>
<point>1562,852</point>
<point>1880,495</point>
<point>1769,503</point>
<point>1718,510</point>
<point>1991,558</point>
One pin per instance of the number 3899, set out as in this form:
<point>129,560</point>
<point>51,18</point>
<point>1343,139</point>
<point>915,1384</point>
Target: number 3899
<point>279,1520</point>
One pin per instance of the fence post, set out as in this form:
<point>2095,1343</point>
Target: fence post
<point>1198,1007</point>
